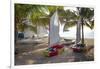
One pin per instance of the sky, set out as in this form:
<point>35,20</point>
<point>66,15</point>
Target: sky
<point>70,8</point>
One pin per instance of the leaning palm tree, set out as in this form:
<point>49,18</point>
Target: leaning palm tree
<point>39,18</point>
<point>23,14</point>
<point>68,18</point>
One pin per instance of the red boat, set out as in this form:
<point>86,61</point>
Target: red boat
<point>54,50</point>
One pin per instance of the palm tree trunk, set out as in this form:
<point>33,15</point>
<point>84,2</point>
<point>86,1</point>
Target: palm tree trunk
<point>37,31</point>
<point>82,31</point>
<point>78,32</point>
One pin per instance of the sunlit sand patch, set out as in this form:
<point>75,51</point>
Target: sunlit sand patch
<point>30,61</point>
<point>67,50</point>
<point>20,57</point>
<point>89,42</point>
<point>37,51</point>
<point>49,62</point>
<point>25,53</point>
<point>40,50</point>
<point>90,54</point>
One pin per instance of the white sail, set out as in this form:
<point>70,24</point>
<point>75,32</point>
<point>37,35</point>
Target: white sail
<point>54,30</point>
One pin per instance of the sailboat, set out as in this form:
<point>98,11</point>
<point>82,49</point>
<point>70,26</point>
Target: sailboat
<point>79,46</point>
<point>54,48</point>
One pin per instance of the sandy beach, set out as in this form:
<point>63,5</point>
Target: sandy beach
<point>32,53</point>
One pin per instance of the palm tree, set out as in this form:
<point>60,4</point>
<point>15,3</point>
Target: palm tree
<point>69,18</point>
<point>86,16</point>
<point>31,13</point>
<point>43,18</point>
